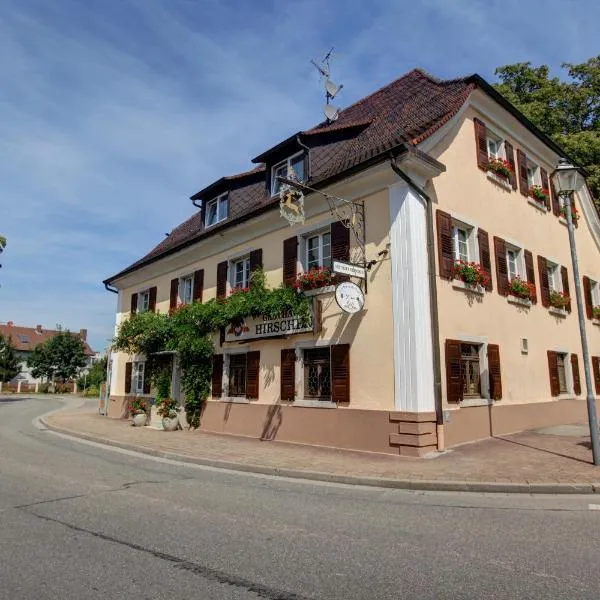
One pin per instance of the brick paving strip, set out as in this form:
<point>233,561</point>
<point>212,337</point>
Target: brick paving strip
<point>526,462</point>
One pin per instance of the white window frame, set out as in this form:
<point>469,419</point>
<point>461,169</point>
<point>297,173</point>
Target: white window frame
<point>554,278</point>
<point>499,141</point>
<point>521,270</point>
<point>143,298</point>
<point>471,231</point>
<point>286,162</point>
<point>484,374</point>
<point>182,291</point>
<point>232,271</point>
<point>138,367</point>
<point>568,374</point>
<point>225,397</point>
<point>222,199</point>
<point>595,292</point>
<point>299,399</point>
<point>536,178</point>
<point>316,233</point>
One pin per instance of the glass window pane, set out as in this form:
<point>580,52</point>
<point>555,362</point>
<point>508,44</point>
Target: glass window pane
<point>297,164</point>
<point>211,213</point>
<point>326,250</point>
<point>278,171</point>
<point>551,282</point>
<point>462,246</point>
<point>223,208</point>
<point>512,264</point>
<point>312,252</point>
<point>492,148</point>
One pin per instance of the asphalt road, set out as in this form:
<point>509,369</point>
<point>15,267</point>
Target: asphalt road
<point>80,521</point>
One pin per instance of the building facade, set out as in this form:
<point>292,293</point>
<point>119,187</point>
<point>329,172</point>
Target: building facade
<point>451,183</point>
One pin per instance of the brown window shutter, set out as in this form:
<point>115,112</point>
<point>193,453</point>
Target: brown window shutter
<point>564,274</point>
<point>454,377</point>
<point>587,295</point>
<point>128,373</point>
<point>222,280</point>
<point>555,202</point>
<point>522,172</point>
<point>545,185</point>
<point>553,371</point>
<point>340,373</point>
<point>445,244</point>
<point>530,271</point>
<point>340,241</point>
<point>134,302</point>
<point>198,285</point>
<point>147,379</point>
<point>493,355</point>
<point>576,380</point>
<point>290,260</point>
<point>483,241</point>
<point>152,299</point>
<point>174,294</point>
<point>481,144</point>
<point>317,316</point>
<point>217,375</point>
<point>510,157</point>
<point>252,374</point>
<point>544,283</point>
<point>501,266</point>
<point>596,372</point>
<point>256,261</point>
<point>288,374</point>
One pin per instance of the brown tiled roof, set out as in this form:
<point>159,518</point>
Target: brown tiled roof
<point>27,338</point>
<point>402,113</point>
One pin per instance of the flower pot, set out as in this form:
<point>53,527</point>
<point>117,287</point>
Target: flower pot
<point>170,423</point>
<point>139,419</point>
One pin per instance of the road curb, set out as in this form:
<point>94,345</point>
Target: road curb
<point>493,487</point>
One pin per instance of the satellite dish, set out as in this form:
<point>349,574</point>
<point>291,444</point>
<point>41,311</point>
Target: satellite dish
<point>331,112</point>
<point>331,88</point>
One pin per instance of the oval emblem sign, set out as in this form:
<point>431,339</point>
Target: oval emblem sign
<point>350,297</point>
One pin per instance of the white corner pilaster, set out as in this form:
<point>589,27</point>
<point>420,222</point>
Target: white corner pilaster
<point>413,352</point>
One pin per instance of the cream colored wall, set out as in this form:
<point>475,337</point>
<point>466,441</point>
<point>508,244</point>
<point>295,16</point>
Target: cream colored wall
<point>465,191</point>
<point>368,332</point>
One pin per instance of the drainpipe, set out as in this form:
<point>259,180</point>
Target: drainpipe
<point>109,288</point>
<point>433,303</point>
<point>196,205</point>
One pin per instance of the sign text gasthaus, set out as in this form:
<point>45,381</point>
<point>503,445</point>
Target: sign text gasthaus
<point>261,327</point>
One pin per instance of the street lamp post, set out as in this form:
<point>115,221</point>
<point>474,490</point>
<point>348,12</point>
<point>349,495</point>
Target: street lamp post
<point>567,180</point>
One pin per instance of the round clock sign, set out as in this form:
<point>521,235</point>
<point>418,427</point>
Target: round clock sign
<point>350,297</point>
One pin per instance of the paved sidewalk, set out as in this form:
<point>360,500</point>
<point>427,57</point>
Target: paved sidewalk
<point>528,461</point>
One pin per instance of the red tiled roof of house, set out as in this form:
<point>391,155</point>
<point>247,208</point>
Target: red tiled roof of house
<point>404,112</point>
<point>25,339</point>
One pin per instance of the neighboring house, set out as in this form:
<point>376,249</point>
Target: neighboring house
<point>427,355</point>
<point>25,339</point>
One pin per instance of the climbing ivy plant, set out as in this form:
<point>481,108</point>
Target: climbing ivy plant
<point>190,329</point>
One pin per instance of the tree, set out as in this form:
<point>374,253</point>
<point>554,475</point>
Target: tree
<point>2,244</point>
<point>10,365</point>
<point>60,357</point>
<point>567,111</point>
<point>95,377</point>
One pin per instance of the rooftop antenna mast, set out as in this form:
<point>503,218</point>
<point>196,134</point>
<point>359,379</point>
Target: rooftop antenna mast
<point>331,89</point>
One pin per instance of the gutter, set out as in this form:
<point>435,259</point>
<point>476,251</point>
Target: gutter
<point>433,303</point>
<point>109,288</point>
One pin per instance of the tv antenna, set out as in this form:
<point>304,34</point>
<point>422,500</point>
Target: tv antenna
<point>331,89</point>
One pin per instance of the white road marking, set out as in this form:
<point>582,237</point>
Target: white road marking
<point>594,506</point>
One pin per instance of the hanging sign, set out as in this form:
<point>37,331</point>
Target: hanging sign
<point>261,327</point>
<point>291,204</point>
<point>350,297</point>
<point>344,268</point>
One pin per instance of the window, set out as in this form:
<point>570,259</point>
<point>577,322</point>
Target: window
<point>461,244</point>
<point>144,301</point>
<point>318,250</point>
<point>317,374</point>
<point>533,173</point>
<point>494,146</point>
<point>216,210</point>
<point>237,375</point>
<point>138,377</point>
<point>186,285</point>
<point>561,360</point>
<point>515,262</point>
<point>595,292</point>
<point>554,279</point>
<point>240,273</point>
<point>470,370</point>
<point>284,169</point>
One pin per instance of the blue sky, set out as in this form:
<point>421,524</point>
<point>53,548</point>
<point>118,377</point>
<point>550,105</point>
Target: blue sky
<point>114,112</point>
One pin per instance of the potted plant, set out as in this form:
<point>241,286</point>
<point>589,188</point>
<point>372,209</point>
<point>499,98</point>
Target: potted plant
<point>539,194</point>
<point>596,312</point>
<point>521,289</point>
<point>314,279</point>
<point>471,273</point>
<point>501,167</point>
<point>574,213</point>
<point>559,299</point>
<point>168,410</point>
<point>138,407</point>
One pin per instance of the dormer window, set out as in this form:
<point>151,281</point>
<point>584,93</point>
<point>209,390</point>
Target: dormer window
<point>295,162</point>
<point>217,210</point>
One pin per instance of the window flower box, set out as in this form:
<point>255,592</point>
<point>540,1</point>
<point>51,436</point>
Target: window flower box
<point>574,213</point>
<point>239,290</point>
<point>501,167</point>
<point>471,273</point>
<point>519,288</point>
<point>559,299</point>
<point>596,312</point>
<point>315,278</point>
<point>539,194</point>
